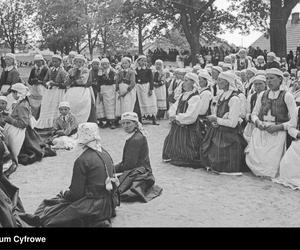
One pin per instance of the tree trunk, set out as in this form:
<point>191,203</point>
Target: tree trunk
<point>140,38</point>
<point>195,46</point>
<point>278,21</point>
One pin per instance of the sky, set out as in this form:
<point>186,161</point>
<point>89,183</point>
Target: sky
<point>235,37</point>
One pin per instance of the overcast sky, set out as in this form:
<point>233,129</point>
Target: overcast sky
<point>235,37</point>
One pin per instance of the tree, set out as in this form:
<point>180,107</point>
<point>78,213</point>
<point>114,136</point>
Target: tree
<point>270,15</point>
<point>196,18</point>
<point>142,16</point>
<point>14,21</point>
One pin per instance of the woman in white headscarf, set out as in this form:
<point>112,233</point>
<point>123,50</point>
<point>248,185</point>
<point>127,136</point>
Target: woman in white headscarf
<point>79,92</point>
<point>274,112</point>
<point>182,144</point>
<point>53,95</point>
<point>24,143</point>
<point>125,87</point>
<point>159,82</point>
<point>9,76</point>
<point>91,198</point>
<point>137,180</point>
<point>223,146</point>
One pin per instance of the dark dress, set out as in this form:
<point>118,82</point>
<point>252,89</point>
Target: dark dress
<point>11,208</point>
<point>223,147</point>
<point>137,180</point>
<point>87,203</point>
<point>182,144</point>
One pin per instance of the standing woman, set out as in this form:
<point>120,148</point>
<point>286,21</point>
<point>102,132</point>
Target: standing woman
<point>275,110</point>
<point>91,199</point>
<point>145,105</point>
<point>182,144</point>
<point>137,180</point>
<point>159,81</point>
<point>9,76</point>
<point>223,145</point>
<point>79,93</point>
<point>125,87</point>
<point>36,81</point>
<point>106,103</point>
<point>53,95</point>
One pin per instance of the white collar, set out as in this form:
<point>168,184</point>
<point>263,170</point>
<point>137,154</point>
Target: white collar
<point>9,68</point>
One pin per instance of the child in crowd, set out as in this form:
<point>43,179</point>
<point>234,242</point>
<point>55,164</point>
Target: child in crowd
<point>64,126</point>
<point>3,110</point>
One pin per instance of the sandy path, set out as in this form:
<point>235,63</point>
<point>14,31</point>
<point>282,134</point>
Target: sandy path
<point>190,198</point>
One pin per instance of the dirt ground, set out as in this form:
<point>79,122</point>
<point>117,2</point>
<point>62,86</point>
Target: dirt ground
<point>190,198</point>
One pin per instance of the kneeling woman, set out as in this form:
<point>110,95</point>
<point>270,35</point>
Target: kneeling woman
<point>223,145</point>
<point>22,140</point>
<point>137,180</point>
<point>275,110</point>
<point>182,144</point>
<point>91,198</point>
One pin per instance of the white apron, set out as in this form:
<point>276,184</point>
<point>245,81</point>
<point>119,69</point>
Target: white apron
<point>107,107</point>
<point>264,152</point>
<point>10,98</point>
<point>161,98</point>
<point>80,100</point>
<point>125,104</point>
<point>248,131</point>
<point>14,138</point>
<point>147,103</point>
<point>49,107</point>
<point>37,93</point>
<point>289,173</point>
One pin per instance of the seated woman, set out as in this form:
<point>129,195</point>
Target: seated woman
<point>223,145</point>
<point>22,140</point>
<point>91,198</point>
<point>63,128</point>
<point>137,180</point>
<point>289,171</point>
<point>182,144</point>
<point>274,111</point>
<point>11,208</point>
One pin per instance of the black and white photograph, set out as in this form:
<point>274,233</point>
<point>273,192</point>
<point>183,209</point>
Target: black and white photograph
<point>149,114</point>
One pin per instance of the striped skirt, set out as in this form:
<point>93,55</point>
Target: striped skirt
<point>183,143</point>
<point>223,149</point>
<point>161,97</point>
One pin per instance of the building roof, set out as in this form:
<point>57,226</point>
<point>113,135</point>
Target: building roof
<point>293,37</point>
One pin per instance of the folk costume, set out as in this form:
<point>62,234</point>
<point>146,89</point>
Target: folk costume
<point>182,144</point>
<point>289,171</point>
<point>145,106</point>
<point>37,87</point>
<point>106,103</point>
<point>9,76</point>
<point>125,85</point>
<point>92,196</point>
<point>137,182</point>
<point>223,145</point>
<point>52,96</point>
<point>159,83</point>
<point>80,94</point>
<point>265,150</point>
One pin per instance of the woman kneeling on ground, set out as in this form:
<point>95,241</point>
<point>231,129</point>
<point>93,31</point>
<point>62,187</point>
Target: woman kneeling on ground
<point>137,180</point>
<point>91,198</point>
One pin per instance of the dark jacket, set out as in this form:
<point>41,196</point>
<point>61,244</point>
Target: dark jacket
<point>10,77</point>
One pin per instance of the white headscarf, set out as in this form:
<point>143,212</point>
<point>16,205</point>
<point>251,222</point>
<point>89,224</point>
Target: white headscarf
<point>194,78</point>
<point>89,136</point>
<point>22,91</point>
<point>230,78</point>
<point>132,116</point>
<point>274,71</point>
<point>204,74</point>
<point>64,104</point>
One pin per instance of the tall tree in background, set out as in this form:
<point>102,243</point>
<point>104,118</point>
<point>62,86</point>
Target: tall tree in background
<point>14,20</point>
<point>142,16</point>
<point>196,18</point>
<point>268,15</point>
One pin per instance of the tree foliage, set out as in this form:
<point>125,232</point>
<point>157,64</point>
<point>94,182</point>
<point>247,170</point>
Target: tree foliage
<point>14,21</point>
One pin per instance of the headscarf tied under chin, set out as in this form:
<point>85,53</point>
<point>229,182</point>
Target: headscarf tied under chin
<point>22,91</point>
<point>89,136</point>
<point>132,116</point>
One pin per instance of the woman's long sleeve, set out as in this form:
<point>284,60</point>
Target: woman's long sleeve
<point>130,159</point>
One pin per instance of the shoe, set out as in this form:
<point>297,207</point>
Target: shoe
<point>11,170</point>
